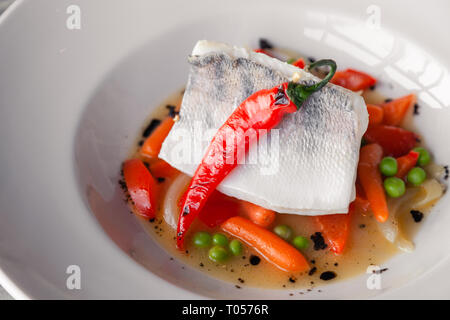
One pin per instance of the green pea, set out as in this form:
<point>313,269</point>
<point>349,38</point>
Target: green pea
<point>220,240</point>
<point>291,60</point>
<point>394,187</point>
<point>235,247</point>
<point>300,242</point>
<point>416,176</point>
<point>283,231</point>
<point>424,156</point>
<point>218,254</point>
<point>202,239</point>
<point>388,166</point>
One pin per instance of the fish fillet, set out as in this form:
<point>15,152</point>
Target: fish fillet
<point>307,166</point>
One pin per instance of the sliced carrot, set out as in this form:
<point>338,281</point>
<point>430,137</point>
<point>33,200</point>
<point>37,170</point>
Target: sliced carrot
<point>395,110</point>
<point>335,229</point>
<point>299,63</point>
<point>376,114</point>
<point>258,215</point>
<point>161,169</point>
<point>274,249</point>
<point>406,163</point>
<point>153,143</point>
<point>370,177</point>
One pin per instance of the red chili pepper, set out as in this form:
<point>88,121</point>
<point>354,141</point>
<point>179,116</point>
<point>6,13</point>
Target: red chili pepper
<point>262,110</point>
<point>395,141</point>
<point>353,80</point>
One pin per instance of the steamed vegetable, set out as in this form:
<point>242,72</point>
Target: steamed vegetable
<point>353,80</point>
<point>388,166</point>
<point>218,254</point>
<point>235,247</point>
<point>274,249</point>
<point>261,216</point>
<point>152,145</point>
<point>141,187</point>
<point>424,156</point>
<point>202,239</point>
<point>395,141</point>
<point>395,187</point>
<point>283,231</point>
<point>406,163</point>
<point>370,179</point>
<point>395,110</point>
<point>416,176</point>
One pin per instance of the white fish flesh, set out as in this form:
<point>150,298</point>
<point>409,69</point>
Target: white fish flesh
<point>307,166</point>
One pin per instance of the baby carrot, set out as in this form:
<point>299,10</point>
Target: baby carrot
<point>274,249</point>
<point>258,215</point>
<point>161,169</point>
<point>370,178</point>
<point>152,144</point>
<point>395,110</point>
<point>376,114</point>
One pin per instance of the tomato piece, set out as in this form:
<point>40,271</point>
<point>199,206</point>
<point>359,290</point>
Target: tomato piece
<point>395,141</point>
<point>353,80</point>
<point>395,110</point>
<point>141,186</point>
<point>406,163</point>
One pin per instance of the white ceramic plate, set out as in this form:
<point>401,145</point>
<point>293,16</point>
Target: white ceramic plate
<point>73,101</point>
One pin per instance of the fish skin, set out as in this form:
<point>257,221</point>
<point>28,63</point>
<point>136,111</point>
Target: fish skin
<point>319,144</point>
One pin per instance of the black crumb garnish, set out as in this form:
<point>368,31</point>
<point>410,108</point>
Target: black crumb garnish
<point>336,264</point>
<point>140,143</point>
<point>151,126</point>
<point>319,241</point>
<point>265,44</point>
<point>152,220</point>
<point>446,172</point>
<point>327,275</point>
<point>241,280</point>
<point>387,100</point>
<point>172,111</point>
<point>201,264</point>
<point>312,271</point>
<point>312,59</point>
<point>372,87</point>
<point>380,271</point>
<point>237,287</point>
<point>313,261</point>
<point>292,279</point>
<point>416,109</point>
<point>254,260</point>
<point>291,294</point>
<point>362,226</point>
<point>417,215</point>
<point>161,179</point>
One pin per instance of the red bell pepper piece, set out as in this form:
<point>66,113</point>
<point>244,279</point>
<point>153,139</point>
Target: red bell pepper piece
<point>395,110</point>
<point>263,51</point>
<point>299,63</point>
<point>141,186</point>
<point>406,163</point>
<point>262,110</point>
<point>394,141</point>
<point>218,209</point>
<point>353,80</point>
<point>335,229</point>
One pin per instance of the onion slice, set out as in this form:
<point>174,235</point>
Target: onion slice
<point>170,203</point>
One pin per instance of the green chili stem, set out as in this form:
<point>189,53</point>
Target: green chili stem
<point>298,93</point>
